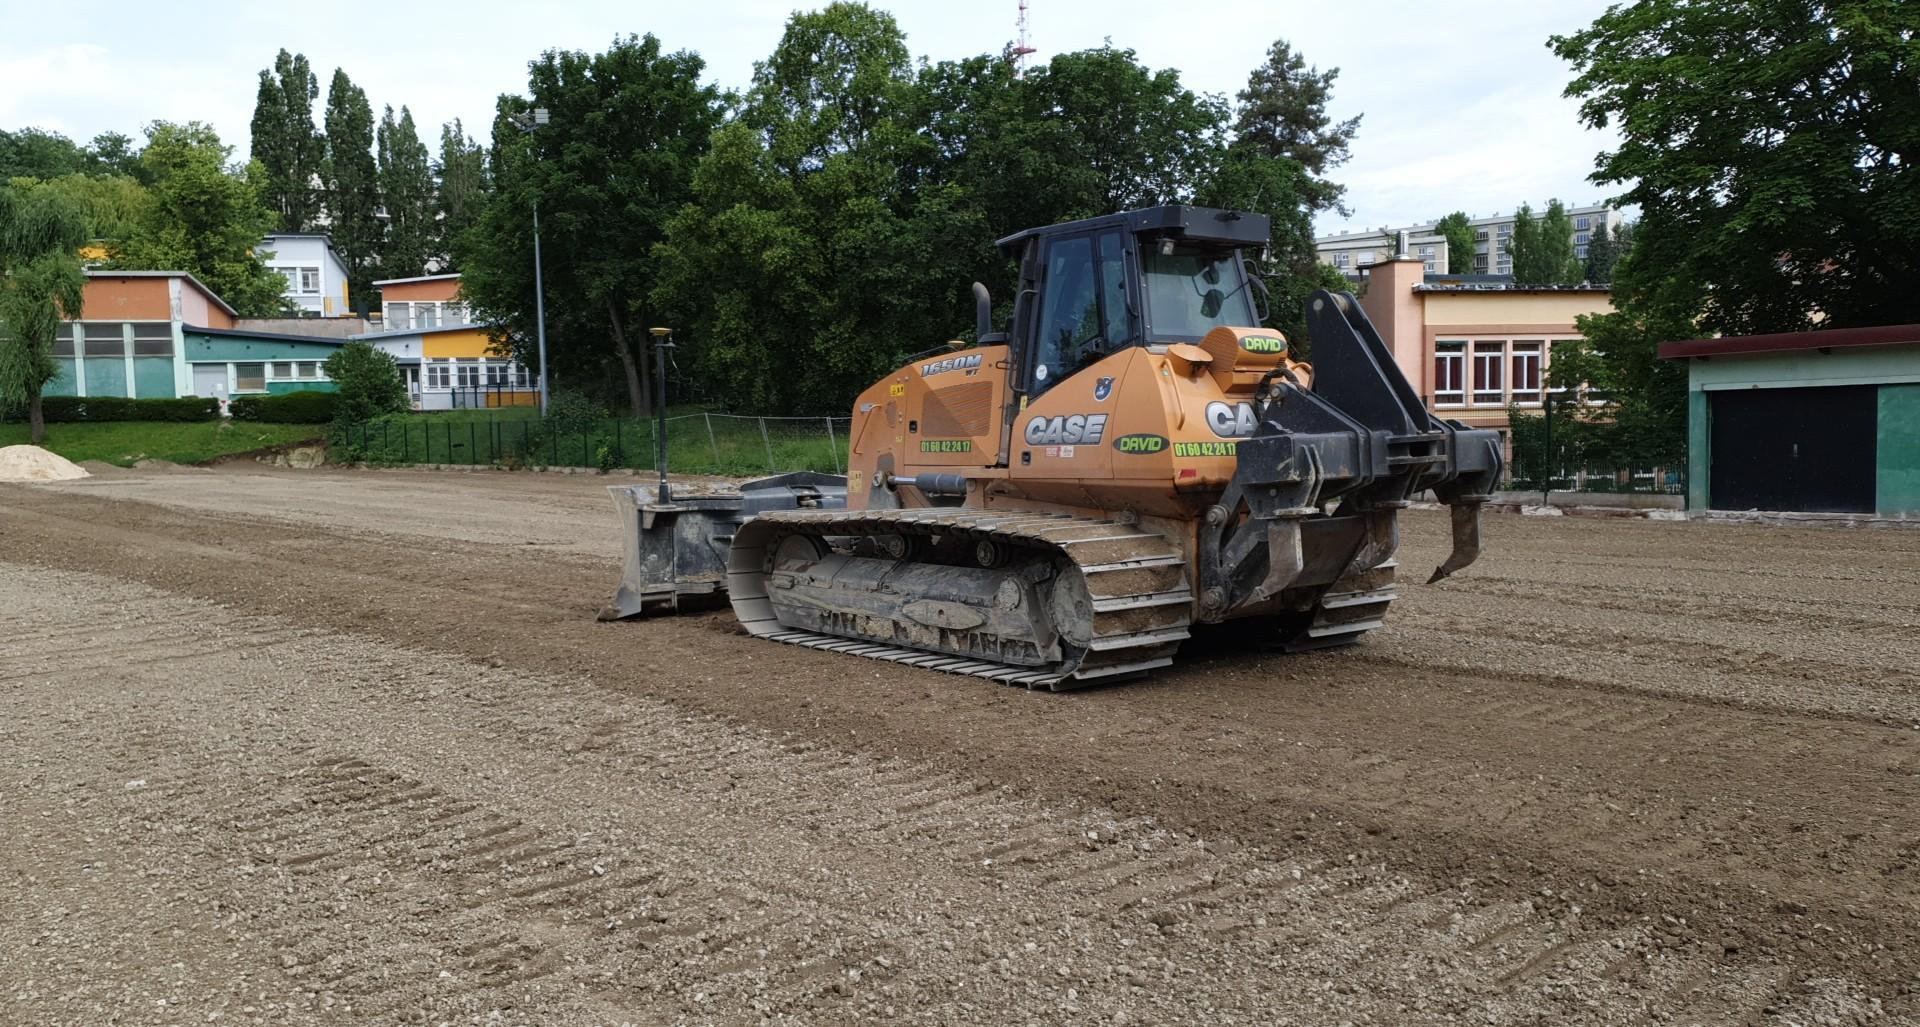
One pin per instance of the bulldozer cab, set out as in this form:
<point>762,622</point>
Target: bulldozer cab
<point>1147,277</point>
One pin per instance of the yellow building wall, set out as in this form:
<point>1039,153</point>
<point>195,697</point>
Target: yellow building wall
<point>1541,309</point>
<point>467,342</point>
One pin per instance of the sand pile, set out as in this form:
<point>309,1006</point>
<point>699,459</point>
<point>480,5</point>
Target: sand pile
<point>31,463</point>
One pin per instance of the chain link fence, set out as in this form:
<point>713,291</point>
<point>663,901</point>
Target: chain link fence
<point>701,443</point>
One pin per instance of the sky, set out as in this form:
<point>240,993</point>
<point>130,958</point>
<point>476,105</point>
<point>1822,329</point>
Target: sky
<point>1461,102</point>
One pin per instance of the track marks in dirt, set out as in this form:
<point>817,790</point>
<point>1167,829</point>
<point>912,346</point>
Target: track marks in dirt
<point>405,837</point>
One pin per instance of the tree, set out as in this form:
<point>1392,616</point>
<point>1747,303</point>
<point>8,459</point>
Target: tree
<point>406,187</point>
<point>205,218</point>
<point>285,143</point>
<point>608,172</point>
<point>462,193</point>
<point>1606,250</point>
<point>368,382</point>
<point>1771,149</point>
<point>110,206</point>
<point>1458,232</point>
<point>1281,189</point>
<point>353,185</point>
<point>1542,248</point>
<point>112,153</point>
<point>1283,113</point>
<point>41,284</point>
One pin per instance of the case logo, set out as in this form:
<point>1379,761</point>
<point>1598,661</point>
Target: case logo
<point>1067,430</point>
<point>1231,421</point>
<point>1102,389</point>
<point>1141,444</point>
<point>1262,344</point>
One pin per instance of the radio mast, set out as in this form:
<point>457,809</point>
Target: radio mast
<point>1021,48</point>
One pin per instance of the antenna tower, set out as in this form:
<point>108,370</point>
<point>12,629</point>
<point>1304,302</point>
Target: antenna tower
<point>1021,48</point>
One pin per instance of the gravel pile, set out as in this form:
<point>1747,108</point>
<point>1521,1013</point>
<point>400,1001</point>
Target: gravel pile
<point>31,463</point>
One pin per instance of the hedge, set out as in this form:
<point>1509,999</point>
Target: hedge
<point>307,407</point>
<point>120,408</point>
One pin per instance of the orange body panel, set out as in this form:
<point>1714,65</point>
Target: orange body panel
<point>1146,430</point>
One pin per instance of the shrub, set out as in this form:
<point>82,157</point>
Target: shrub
<point>119,408</point>
<point>310,406</point>
<point>369,383</point>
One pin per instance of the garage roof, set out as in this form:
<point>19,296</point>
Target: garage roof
<point>1830,338</point>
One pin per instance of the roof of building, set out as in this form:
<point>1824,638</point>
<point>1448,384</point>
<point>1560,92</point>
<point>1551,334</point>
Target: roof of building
<point>416,278</point>
<point>197,283</point>
<point>242,333</point>
<point>1466,283</point>
<point>1821,339</point>
<point>299,235</point>
<point>396,332</point>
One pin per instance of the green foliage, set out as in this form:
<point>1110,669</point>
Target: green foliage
<point>1458,232</point>
<point>1617,358</point>
<point>1542,248</point>
<point>309,406</point>
<point>353,186</point>
<point>369,384</point>
<point>463,186</point>
<point>41,284</point>
<point>1281,189</point>
<point>1605,252</point>
<point>110,206</point>
<point>1770,148</point>
<point>406,190</point>
<point>1283,113</point>
<point>285,143</point>
<point>205,218</point>
<point>71,409</point>
<point>609,171</point>
<point>37,153</point>
<point>124,443</point>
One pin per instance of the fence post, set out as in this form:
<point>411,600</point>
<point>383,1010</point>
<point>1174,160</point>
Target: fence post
<point>768,442</point>
<point>473,444</point>
<point>619,441</point>
<point>525,445</point>
<point>586,439</point>
<point>711,441</point>
<point>832,446</point>
<point>386,438</point>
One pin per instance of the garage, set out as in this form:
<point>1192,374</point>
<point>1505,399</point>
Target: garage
<point>1810,422</point>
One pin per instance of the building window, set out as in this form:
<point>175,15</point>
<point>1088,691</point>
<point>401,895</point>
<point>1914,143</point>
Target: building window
<point>308,370</point>
<point>399,315</point>
<point>1480,236</point>
<point>309,281</point>
<point>522,378</point>
<point>249,377</point>
<point>103,339</point>
<point>467,374</point>
<point>63,341</point>
<point>1426,254</point>
<point>439,376</point>
<point>1343,260</point>
<point>1487,360</point>
<point>1582,238</point>
<point>153,339</point>
<point>453,313</point>
<point>1449,374</point>
<point>1582,224</point>
<point>1526,373</point>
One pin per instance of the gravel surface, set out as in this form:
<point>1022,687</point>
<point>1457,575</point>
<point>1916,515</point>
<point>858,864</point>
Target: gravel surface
<point>345,748</point>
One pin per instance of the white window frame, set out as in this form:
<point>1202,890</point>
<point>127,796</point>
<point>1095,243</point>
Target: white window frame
<point>1490,353</point>
<point>1454,352</point>
<point>439,374</point>
<point>1519,353</point>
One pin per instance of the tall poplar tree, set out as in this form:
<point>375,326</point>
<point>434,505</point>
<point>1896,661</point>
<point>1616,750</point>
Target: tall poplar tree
<point>462,174</point>
<point>406,186</point>
<point>353,186</point>
<point>285,142</point>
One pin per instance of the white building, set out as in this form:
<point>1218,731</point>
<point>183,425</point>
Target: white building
<point>316,276</point>
<point>1351,250</point>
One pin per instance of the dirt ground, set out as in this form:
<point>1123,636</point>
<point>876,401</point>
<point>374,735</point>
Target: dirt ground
<point>348,747</point>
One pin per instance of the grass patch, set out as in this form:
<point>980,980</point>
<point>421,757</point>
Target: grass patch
<point>122,443</point>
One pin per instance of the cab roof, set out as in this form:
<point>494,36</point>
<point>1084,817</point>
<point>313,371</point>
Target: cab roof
<point>1199,224</point>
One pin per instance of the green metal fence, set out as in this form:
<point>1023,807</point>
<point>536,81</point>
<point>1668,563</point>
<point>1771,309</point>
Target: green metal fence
<point>700,443</point>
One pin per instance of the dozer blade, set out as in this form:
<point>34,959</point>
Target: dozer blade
<point>676,543</point>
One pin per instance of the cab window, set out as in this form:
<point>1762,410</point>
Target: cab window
<point>1083,309</point>
<point>1190,293</point>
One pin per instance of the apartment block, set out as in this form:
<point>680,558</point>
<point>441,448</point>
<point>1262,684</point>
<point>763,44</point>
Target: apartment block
<point>1352,250</point>
<point>316,276</point>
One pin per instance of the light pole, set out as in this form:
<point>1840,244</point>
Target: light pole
<point>527,124</point>
<point>662,342</point>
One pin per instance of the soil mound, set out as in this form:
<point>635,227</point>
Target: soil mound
<point>31,463</point>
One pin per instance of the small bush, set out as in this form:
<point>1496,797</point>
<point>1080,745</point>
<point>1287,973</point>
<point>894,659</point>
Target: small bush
<point>306,407</point>
<point>369,382</point>
<point>73,409</point>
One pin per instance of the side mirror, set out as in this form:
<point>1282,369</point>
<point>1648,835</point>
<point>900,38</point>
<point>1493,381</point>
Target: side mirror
<point>1211,303</point>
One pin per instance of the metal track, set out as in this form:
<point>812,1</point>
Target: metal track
<point>1137,581</point>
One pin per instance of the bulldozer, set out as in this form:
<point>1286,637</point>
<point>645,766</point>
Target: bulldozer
<point>1063,502</point>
